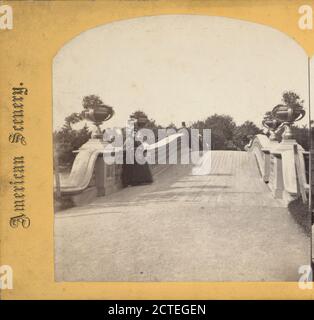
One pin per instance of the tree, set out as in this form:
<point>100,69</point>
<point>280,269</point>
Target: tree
<point>291,98</point>
<point>244,132</point>
<point>72,118</point>
<point>222,130</point>
<point>171,125</point>
<point>302,136</point>
<point>92,101</point>
<point>67,140</point>
<point>150,124</point>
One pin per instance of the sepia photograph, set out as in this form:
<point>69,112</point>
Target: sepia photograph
<point>181,152</point>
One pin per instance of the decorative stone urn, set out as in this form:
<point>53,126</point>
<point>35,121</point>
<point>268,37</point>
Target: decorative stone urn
<point>287,115</point>
<point>271,124</point>
<point>98,115</point>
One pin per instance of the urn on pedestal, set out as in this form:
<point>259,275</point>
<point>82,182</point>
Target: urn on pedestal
<point>287,115</point>
<point>271,124</point>
<point>98,114</point>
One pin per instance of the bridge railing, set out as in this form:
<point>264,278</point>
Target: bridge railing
<point>283,166</point>
<point>92,176</point>
<point>259,146</point>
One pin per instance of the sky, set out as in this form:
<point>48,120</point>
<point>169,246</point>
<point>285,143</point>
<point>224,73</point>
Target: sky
<point>179,68</point>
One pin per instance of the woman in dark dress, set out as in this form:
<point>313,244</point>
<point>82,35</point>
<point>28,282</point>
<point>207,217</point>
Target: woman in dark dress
<point>136,173</point>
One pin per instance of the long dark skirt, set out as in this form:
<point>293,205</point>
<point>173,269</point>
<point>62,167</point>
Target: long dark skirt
<point>136,174</point>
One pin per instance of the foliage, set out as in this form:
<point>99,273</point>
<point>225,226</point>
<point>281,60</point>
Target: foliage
<point>67,140</point>
<point>150,124</point>
<point>225,134</point>
<point>222,131</point>
<point>72,118</point>
<point>301,135</point>
<point>92,101</point>
<point>171,125</point>
<point>244,133</point>
<point>292,99</point>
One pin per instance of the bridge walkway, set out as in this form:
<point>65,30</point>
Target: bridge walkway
<point>222,226</point>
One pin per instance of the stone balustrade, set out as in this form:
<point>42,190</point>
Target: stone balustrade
<point>91,176</point>
<point>283,166</point>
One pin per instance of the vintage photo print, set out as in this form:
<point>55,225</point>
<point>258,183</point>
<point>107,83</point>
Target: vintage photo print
<point>156,149</point>
<point>181,152</point>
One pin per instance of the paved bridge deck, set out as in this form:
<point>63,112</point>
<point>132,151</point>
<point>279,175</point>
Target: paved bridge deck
<point>223,226</point>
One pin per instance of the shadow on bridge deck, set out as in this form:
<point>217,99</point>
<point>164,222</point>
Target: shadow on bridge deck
<point>223,226</point>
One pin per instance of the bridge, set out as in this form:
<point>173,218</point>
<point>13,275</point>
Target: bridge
<point>229,224</point>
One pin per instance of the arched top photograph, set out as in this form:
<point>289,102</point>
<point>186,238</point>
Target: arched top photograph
<point>181,148</point>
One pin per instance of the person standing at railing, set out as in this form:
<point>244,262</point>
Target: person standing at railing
<point>135,169</point>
